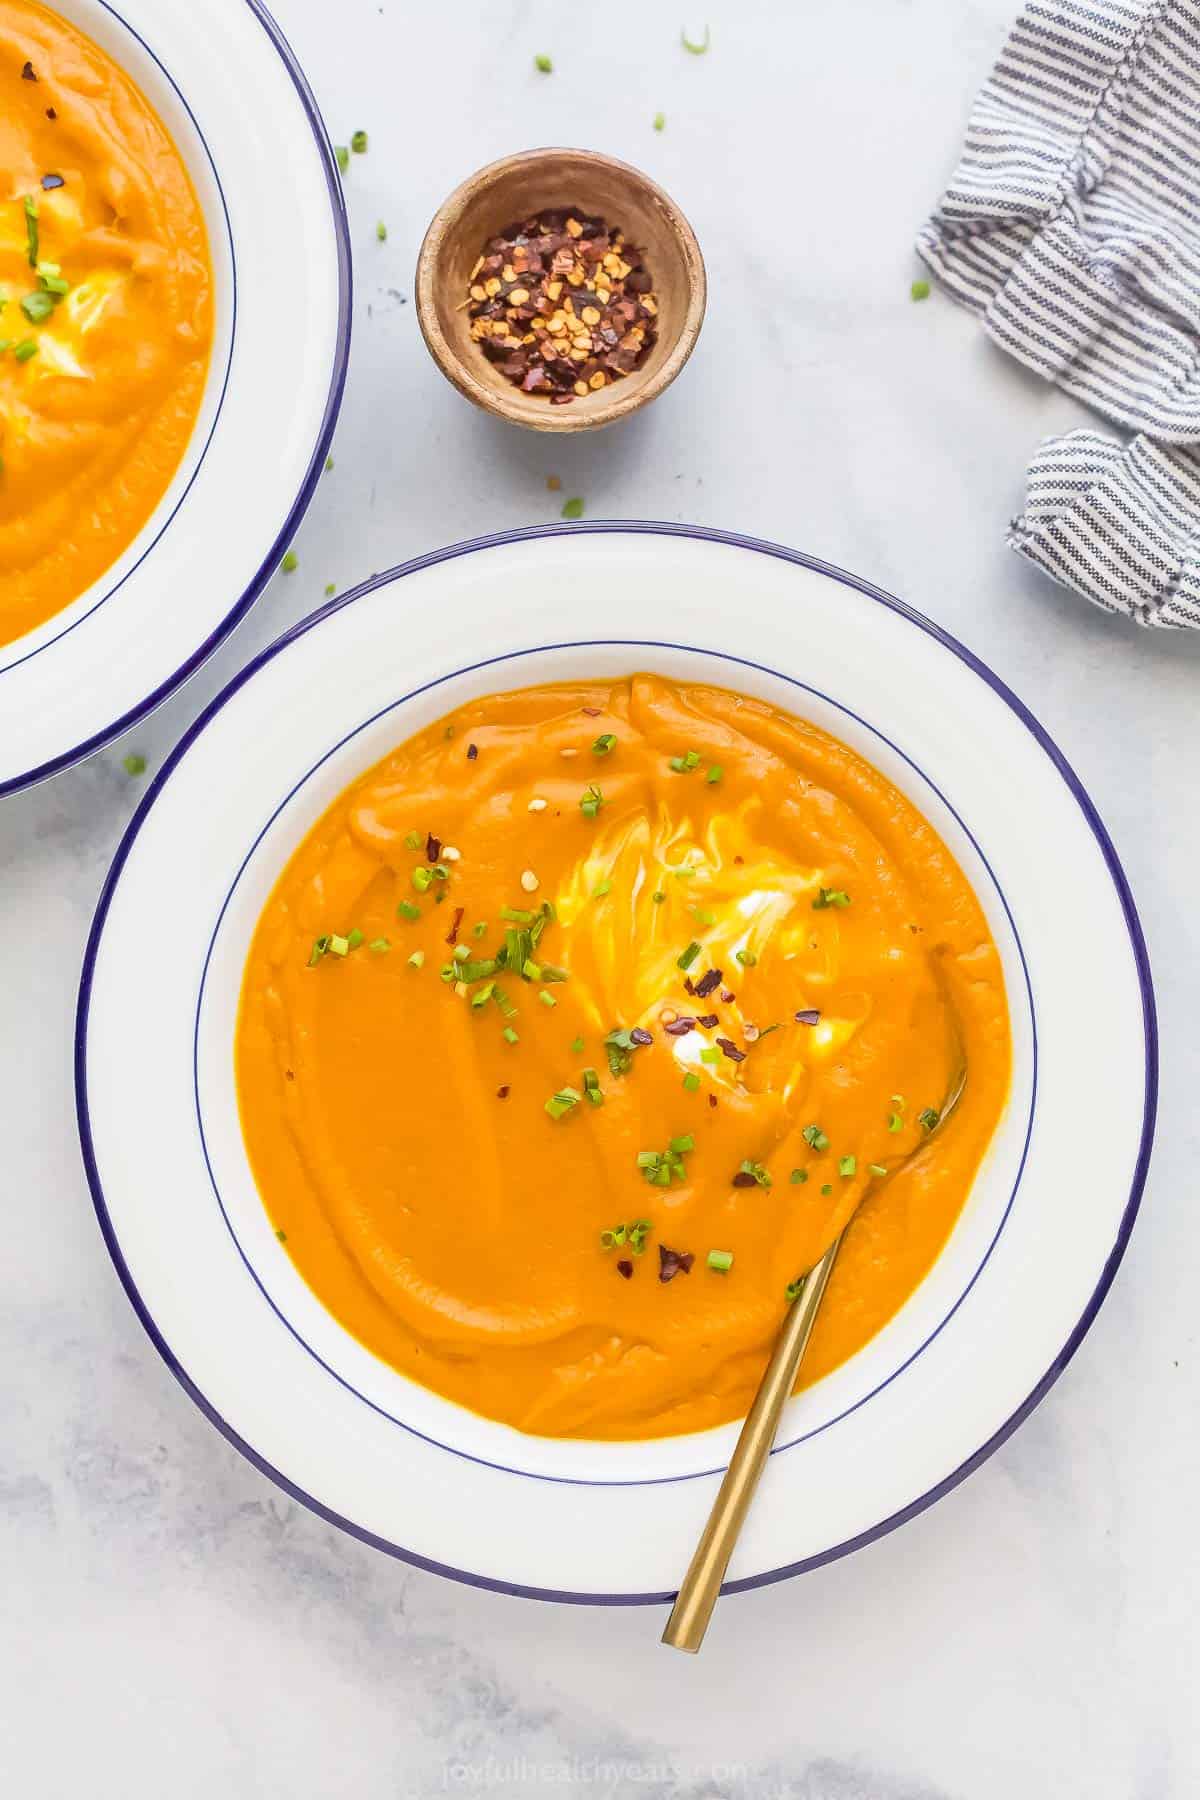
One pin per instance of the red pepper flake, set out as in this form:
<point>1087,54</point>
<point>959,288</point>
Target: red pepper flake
<point>727,998</point>
<point>562,305</point>
<point>708,1020</point>
<point>472,752</point>
<point>502,1093</point>
<point>593,712</point>
<point>712,1099</point>
<point>639,1035</point>
<point>452,935</point>
<point>743,1178</point>
<point>672,1262</point>
<point>731,1050</point>
<point>809,1016</point>
<point>679,1027</point>
<point>50,113</point>
<point>625,1268</point>
<point>27,73</point>
<point>707,983</point>
<point>433,848</point>
<point>689,986</point>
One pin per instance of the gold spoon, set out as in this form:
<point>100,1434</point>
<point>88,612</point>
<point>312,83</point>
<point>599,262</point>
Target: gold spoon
<point>701,1585</point>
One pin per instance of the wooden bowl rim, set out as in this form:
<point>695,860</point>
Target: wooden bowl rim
<point>457,370</point>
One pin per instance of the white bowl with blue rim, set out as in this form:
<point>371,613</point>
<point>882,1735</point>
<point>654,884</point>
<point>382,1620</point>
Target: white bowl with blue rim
<point>233,97</point>
<point>972,1350</point>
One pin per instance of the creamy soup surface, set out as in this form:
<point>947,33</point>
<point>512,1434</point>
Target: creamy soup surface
<point>106,313</point>
<point>577,1028</point>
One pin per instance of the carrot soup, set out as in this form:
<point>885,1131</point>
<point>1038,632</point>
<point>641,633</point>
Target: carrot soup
<point>576,1029</point>
<point>105,313</point>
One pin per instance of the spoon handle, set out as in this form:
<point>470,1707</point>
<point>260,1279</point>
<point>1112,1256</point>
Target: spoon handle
<point>700,1586</point>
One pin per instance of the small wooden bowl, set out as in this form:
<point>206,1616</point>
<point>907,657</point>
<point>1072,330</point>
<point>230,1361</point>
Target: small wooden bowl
<point>515,188</point>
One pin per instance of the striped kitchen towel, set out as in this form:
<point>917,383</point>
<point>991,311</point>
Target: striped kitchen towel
<point>1072,227</point>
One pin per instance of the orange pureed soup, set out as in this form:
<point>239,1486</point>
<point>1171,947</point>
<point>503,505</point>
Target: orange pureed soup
<point>576,1029</point>
<point>105,313</point>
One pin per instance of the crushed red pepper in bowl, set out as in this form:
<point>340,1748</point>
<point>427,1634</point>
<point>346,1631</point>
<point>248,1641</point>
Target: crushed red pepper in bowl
<point>562,304</point>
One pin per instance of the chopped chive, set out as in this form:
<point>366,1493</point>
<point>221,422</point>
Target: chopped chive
<point>689,956</point>
<point>479,929</point>
<point>683,765</point>
<point>576,1046</point>
<point>328,464</point>
<point>848,1165</point>
<point>813,1135</point>
<point>407,910</point>
<point>703,918</point>
<point>658,896</point>
<point>515,915</point>
<point>715,774</point>
<point>508,1010</point>
<point>483,994</point>
<point>710,1054</point>
<point>720,1259</point>
<point>320,946</point>
<point>692,49</point>
<point>448,972</point>
<point>561,1103</point>
<point>330,588</point>
<point>691,1081</point>
<point>928,1118</point>
<point>798,1176</point>
<point>920,290</point>
<point>31,230</point>
<point>757,1172</point>
<point>601,888</point>
<point>827,1188</point>
<point>417,960</point>
<point>37,306</point>
<point>25,349</point>
<point>354,939</point>
<point>422,879</point>
<point>591,1087</point>
<point>605,744</point>
<point>509,1035</point>
<point>358,143</point>
<point>591,802</point>
<point>440,872</point>
<point>612,1239</point>
<point>830,897</point>
<point>683,872</point>
<point>460,953</point>
<point>414,841</point>
<point>747,958</point>
<point>551,973</point>
<point>134,763</point>
<point>290,563</point>
<point>877,1168</point>
<point>530,970</point>
<point>659,121</point>
<point>573,508</point>
<point>343,157</point>
<point>380,231</point>
<point>794,1289</point>
<point>338,946</point>
<point>895,1122</point>
<point>478,971</point>
<point>680,1144</point>
<point>547,999</point>
<point>543,65</point>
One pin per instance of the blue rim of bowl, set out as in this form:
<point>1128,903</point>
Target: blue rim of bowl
<point>736,540</point>
<point>333,400</point>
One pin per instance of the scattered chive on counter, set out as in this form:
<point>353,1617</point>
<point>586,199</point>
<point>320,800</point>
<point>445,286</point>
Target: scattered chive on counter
<point>920,290</point>
<point>290,563</point>
<point>134,763</point>
<point>693,48</point>
<point>573,508</point>
<point>543,65</point>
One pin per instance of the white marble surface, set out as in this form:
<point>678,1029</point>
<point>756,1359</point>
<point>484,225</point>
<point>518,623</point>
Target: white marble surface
<point>172,1623</point>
